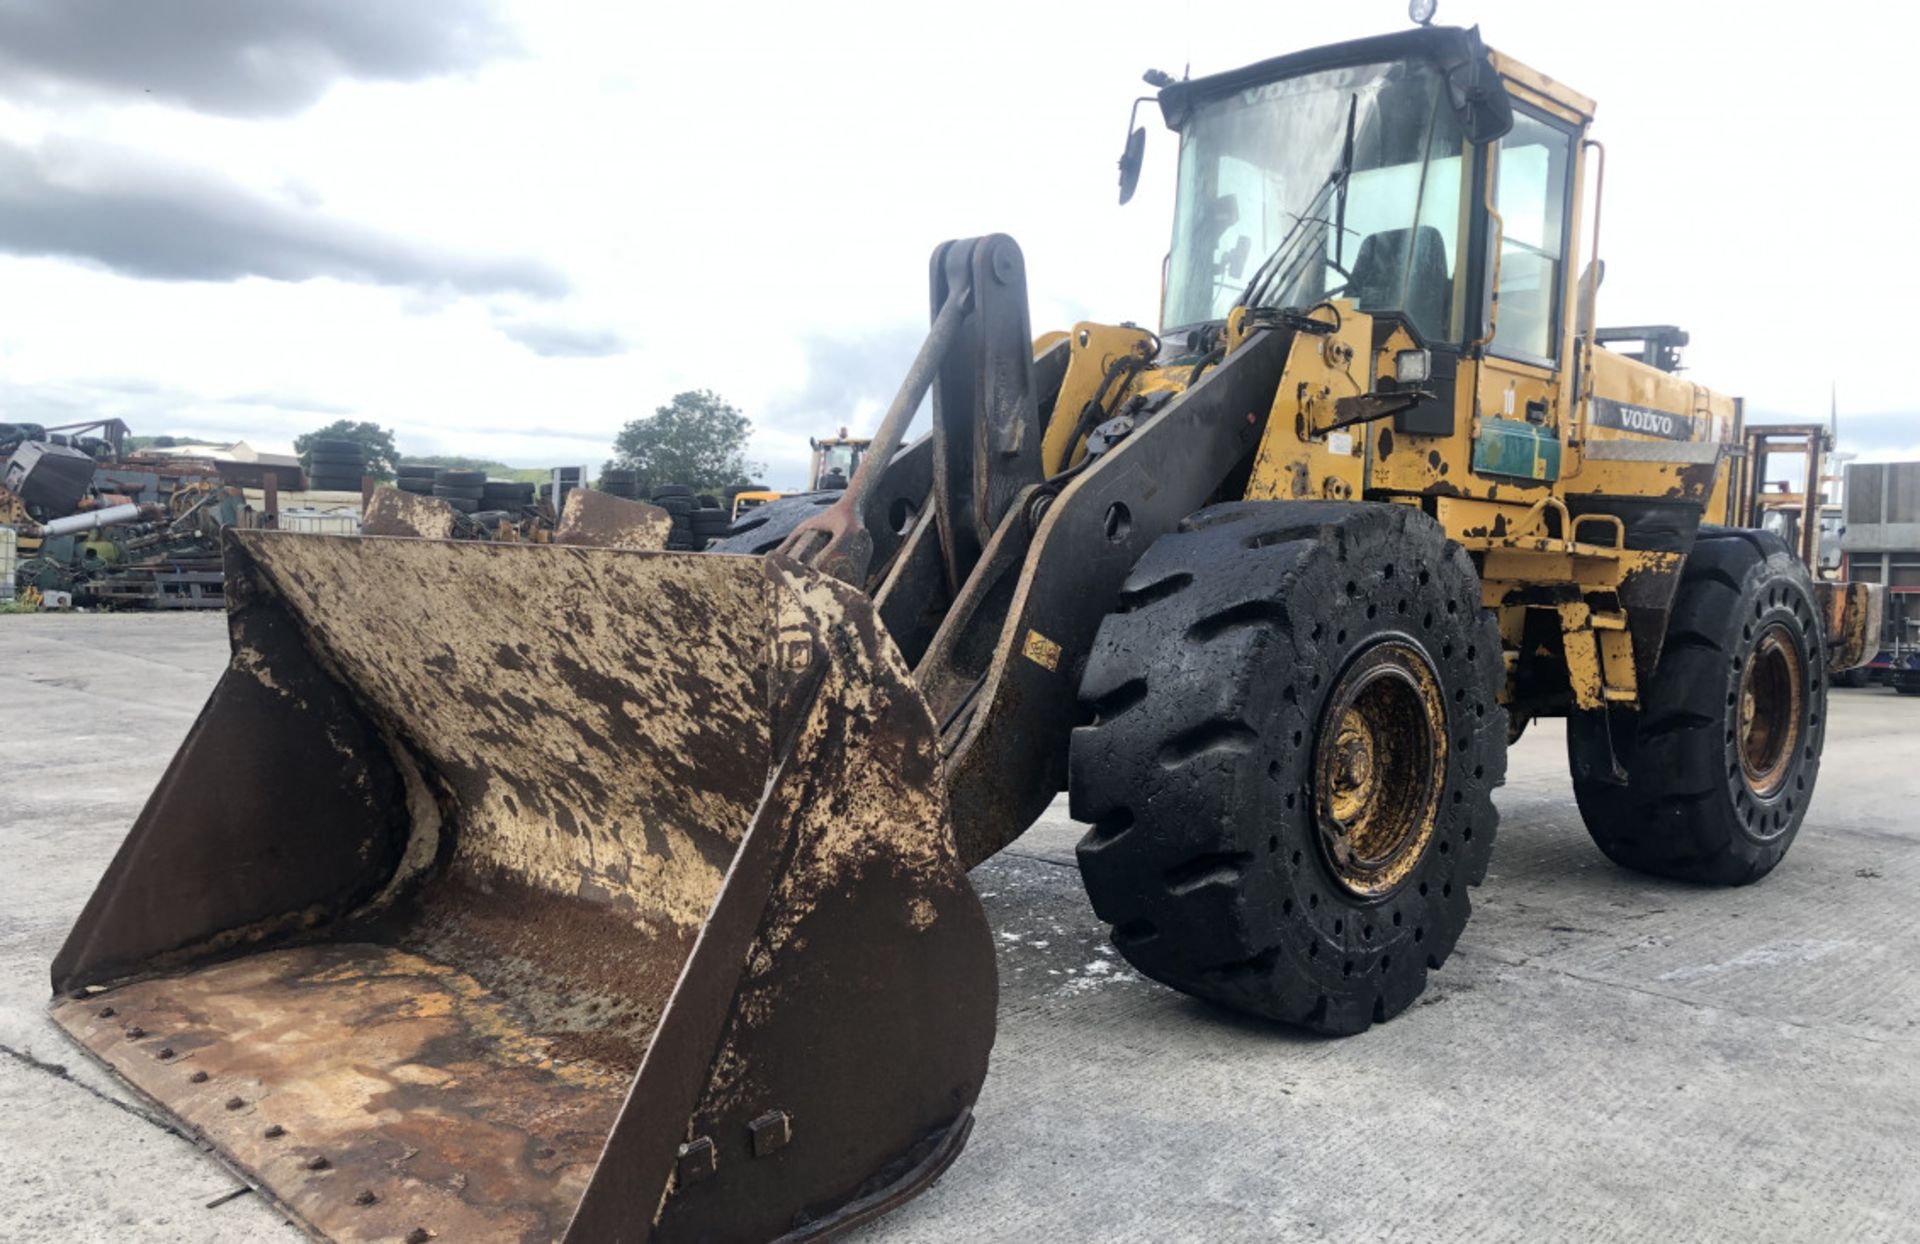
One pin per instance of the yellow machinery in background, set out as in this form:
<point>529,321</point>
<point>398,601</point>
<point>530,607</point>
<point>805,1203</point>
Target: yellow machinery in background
<point>1789,502</point>
<point>834,463</point>
<point>634,906</point>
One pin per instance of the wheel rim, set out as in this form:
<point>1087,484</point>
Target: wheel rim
<point>1771,694</point>
<point>1378,761</point>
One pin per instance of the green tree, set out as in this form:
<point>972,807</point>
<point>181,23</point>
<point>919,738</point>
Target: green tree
<point>376,440</point>
<point>698,439</point>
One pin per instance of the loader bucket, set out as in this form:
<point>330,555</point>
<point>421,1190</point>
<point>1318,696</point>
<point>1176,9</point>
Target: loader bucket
<point>523,892</point>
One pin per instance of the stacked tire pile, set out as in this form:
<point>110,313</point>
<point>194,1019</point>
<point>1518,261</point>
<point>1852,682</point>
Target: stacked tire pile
<point>461,489</point>
<point>416,478</point>
<point>335,465</point>
<point>696,518</point>
<point>502,501</point>
<point>618,482</point>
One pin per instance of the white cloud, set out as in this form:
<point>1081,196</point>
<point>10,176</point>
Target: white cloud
<point>743,198</point>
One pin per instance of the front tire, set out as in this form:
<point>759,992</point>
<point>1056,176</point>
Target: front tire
<point>1723,753</point>
<point>1296,736</point>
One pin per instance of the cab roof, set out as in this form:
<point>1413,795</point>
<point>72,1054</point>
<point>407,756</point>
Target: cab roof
<point>1446,44</point>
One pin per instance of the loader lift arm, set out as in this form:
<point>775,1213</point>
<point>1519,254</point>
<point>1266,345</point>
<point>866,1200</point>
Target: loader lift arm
<point>1002,670</point>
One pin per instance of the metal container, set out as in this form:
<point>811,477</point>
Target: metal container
<point>1882,508</point>
<point>316,523</point>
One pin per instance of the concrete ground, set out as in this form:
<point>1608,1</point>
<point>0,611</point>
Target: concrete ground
<point>1606,1056</point>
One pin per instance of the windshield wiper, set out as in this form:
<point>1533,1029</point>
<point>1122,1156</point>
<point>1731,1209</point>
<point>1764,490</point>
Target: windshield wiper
<point>1282,255</point>
<point>1346,171</point>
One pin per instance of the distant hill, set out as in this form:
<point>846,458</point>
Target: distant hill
<point>494,470</point>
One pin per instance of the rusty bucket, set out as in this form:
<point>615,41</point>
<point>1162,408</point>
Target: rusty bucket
<point>516,892</point>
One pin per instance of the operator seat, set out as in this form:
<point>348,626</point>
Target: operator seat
<point>1383,280</point>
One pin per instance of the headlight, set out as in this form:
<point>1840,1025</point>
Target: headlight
<point>1421,11</point>
<point>1412,366</point>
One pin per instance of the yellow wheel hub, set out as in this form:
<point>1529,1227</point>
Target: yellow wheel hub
<point>1771,695</point>
<point>1379,765</point>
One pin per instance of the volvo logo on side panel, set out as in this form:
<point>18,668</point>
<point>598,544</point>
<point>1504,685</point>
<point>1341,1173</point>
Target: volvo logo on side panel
<point>1627,417</point>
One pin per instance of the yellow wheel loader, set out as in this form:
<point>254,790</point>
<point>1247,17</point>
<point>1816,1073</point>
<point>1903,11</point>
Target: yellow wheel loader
<point>574,919</point>
<point>835,461</point>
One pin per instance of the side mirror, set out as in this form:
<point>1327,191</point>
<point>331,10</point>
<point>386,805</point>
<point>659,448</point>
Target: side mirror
<point>1130,160</point>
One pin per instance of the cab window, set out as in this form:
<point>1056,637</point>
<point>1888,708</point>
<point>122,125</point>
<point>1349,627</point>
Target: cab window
<point>1532,192</point>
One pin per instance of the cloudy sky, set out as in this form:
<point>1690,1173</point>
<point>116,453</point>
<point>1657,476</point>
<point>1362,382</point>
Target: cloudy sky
<point>503,227</point>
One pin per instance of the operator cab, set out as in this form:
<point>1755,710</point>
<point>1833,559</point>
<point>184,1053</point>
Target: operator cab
<point>1407,174</point>
<point>836,459</point>
<point>1349,172</point>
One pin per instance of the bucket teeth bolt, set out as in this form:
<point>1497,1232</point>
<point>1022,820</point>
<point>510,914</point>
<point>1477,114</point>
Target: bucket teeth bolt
<point>198,1077</point>
<point>107,1012</point>
<point>364,1197</point>
<point>274,1132</point>
<point>698,1160</point>
<point>317,1163</point>
<point>419,1235</point>
<point>234,1103</point>
<point>135,1032</point>
<point>770,1132</point>
<point>166,1051</point>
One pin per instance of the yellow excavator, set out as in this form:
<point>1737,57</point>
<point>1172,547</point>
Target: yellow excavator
<point>634,907</point>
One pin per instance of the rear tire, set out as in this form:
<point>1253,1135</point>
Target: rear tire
<point>1726,746</point>
<point>1289,776</point>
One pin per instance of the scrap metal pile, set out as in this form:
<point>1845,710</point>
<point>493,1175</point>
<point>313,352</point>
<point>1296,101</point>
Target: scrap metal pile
<point>93,527</point>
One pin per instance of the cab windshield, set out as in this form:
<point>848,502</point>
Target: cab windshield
<point>839,459</point>
<point>1346,183</point>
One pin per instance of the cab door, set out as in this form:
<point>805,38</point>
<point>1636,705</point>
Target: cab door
<point>1518,437</point>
